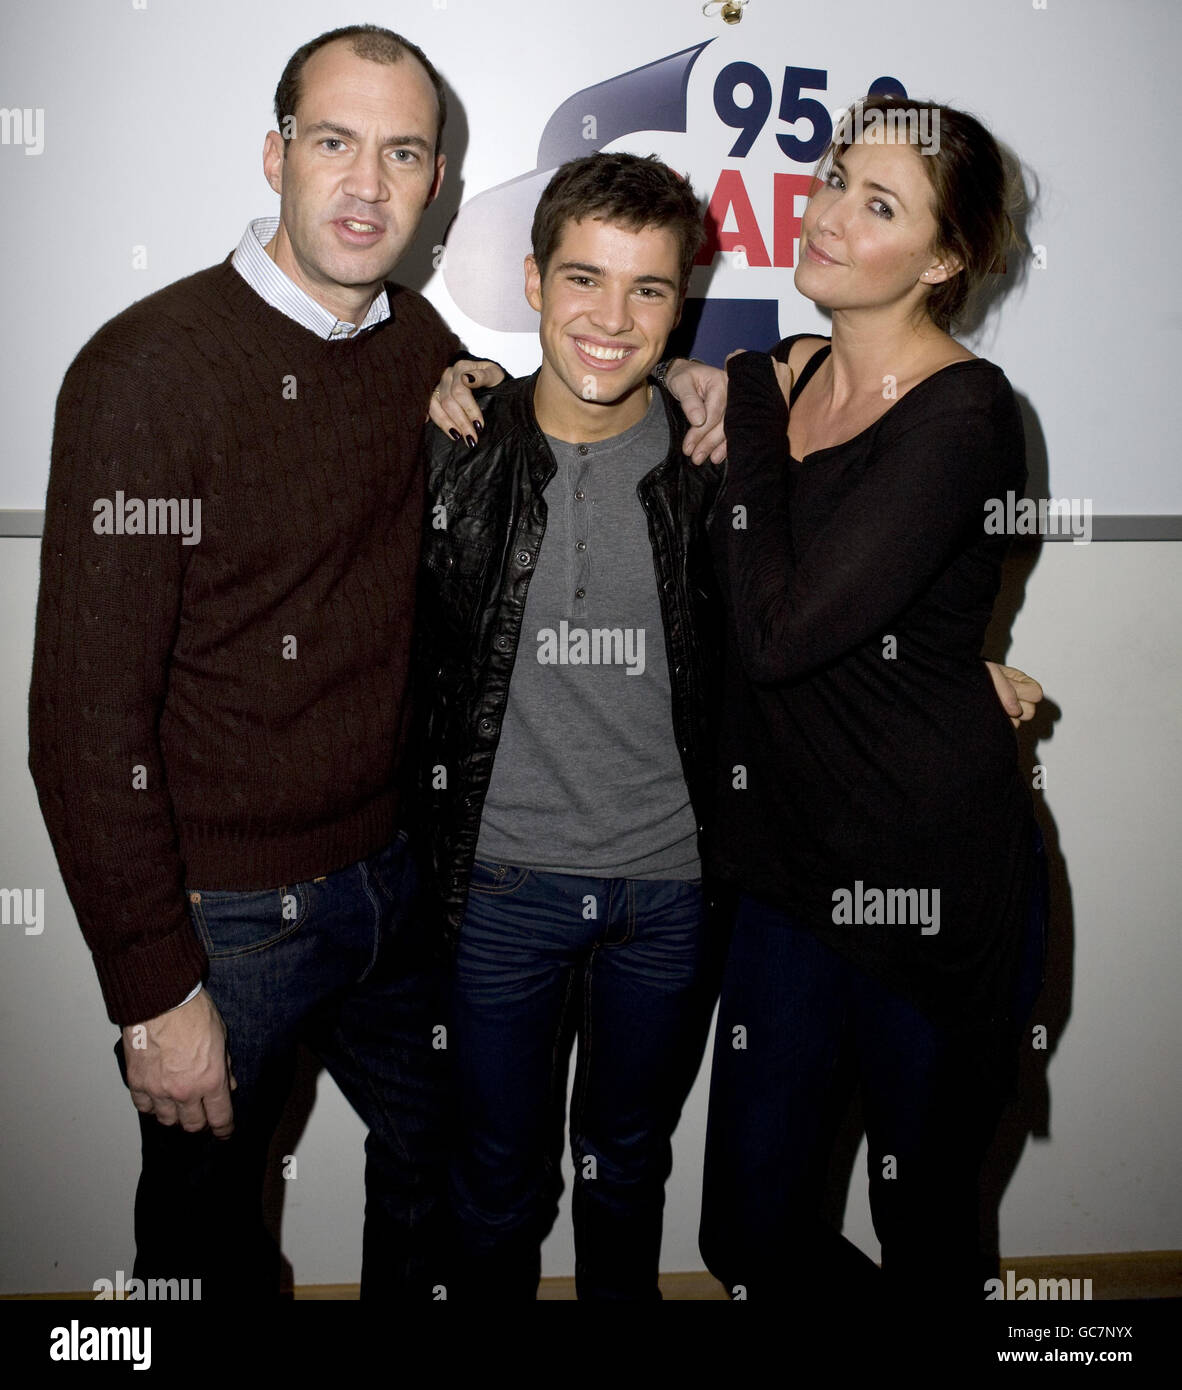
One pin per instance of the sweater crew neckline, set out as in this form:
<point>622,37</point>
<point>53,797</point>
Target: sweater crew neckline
<point>243,299</point>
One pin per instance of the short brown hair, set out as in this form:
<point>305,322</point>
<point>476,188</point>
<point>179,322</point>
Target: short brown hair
<point>367,41</point>
<point>630,190</point>
<point>972,194</point>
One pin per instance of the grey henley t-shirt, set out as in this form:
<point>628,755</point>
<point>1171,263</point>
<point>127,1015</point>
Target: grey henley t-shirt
<point>587,778</point>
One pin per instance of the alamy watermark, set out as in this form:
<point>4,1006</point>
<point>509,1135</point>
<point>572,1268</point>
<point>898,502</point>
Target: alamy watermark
<point>154,1290</point>
<point>83,1343</point>
<point>23,125</point>
<point>904,125</point>
<point>1024,1289</point>
<point>888,907</point>
<point>23,907</point>
<point>152,516</point>
<point>596,646</point>
<point>1012,515</point>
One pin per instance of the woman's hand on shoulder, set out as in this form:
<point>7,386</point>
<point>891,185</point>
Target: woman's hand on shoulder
<point>453,407</point>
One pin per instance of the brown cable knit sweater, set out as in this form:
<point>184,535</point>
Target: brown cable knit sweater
<point>229,713</point>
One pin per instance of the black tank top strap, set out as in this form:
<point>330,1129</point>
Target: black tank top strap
<point>809,368</point>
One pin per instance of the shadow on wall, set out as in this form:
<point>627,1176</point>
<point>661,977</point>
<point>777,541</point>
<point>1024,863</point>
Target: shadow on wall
<point>1029,1112</point>
<point>422,258</point>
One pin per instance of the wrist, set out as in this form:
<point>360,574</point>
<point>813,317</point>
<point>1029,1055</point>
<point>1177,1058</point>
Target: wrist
<point>666,365</point>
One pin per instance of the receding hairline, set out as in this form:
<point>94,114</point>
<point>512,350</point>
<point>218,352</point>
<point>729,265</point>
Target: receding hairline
<point>374,48</point>
<point>372,44</point>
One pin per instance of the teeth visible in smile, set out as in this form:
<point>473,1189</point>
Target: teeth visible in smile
<point>604,354</point>
<point>360,226</point>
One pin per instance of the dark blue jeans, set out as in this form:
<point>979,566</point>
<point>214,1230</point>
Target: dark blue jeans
<point>799,1027</point>
<point>336,963</point>
<point>542,957</point>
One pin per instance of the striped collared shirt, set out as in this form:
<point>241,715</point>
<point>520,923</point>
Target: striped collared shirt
<point>281,292</point>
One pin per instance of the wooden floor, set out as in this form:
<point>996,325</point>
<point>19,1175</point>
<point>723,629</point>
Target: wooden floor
<point>692,1288</point>
<point>1139,1274</point>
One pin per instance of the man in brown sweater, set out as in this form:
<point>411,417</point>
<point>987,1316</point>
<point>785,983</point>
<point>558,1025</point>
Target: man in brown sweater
<point>219,698</point>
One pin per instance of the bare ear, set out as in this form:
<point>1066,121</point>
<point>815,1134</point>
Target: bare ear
<point>273,147</point>
<point>677,316</point>
<point>437,181</point>
<point>533,283</point>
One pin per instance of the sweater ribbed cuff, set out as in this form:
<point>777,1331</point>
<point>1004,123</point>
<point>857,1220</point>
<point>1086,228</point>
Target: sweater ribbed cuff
<point>150,980</point>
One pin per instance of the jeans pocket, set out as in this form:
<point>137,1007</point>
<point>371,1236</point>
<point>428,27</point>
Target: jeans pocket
<point>234,923</point>
<point>496,880</point>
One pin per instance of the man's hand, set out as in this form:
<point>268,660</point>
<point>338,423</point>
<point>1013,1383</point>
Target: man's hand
<point>453,407</point>
<point>701,392</point>
<point>178,1067</point>
<point>1019,693</point>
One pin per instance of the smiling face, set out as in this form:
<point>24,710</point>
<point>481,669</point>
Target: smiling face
<point>609,299</point>
<point>356,177</point>
<point>868,235</point>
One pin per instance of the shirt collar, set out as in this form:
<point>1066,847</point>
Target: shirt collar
<point>281,292</point>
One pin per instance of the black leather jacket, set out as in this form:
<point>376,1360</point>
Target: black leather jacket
<point>484,524</point>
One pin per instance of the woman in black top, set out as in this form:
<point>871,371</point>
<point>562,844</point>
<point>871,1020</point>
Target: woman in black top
<point>871,808</point>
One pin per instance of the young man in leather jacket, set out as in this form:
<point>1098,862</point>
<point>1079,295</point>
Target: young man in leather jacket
<point>566,625</point>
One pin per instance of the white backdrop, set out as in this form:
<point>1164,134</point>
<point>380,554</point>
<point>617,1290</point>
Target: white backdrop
<point>153,113</point>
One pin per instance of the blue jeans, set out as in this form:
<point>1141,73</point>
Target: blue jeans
<point>813,1027</point>
<point>622,964</point>
<point>339,964</point>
